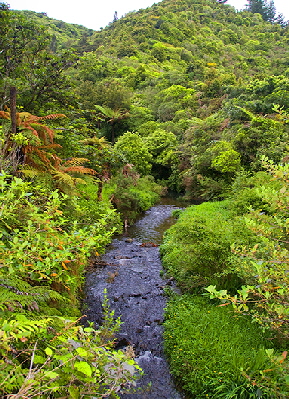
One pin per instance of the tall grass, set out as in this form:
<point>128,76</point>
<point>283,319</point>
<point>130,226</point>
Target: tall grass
<point>215,354</point>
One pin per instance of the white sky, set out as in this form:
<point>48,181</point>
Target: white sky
<point>95,13</point>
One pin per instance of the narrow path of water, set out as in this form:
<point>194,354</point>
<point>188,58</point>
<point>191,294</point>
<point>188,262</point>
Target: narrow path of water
<point>130,271</point>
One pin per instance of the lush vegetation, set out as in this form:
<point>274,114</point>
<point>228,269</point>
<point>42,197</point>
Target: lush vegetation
<point>214,355</point>
<point>238,254</point>
<point>189,96</point>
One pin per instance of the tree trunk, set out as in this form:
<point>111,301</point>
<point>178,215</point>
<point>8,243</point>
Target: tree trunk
<point>13,109</point>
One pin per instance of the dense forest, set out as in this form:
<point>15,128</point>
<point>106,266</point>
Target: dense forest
<point>188,97</point>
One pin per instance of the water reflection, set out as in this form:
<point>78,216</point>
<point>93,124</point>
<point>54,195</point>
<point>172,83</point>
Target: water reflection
<point>152,227</point>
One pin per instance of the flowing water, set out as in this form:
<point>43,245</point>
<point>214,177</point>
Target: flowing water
<point>130,272</point>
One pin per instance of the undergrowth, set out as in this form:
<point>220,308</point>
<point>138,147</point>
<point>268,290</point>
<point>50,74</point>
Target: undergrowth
<point>214,354</point>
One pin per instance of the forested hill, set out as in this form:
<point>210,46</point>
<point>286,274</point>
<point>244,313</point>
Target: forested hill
<point>193,81</point>
<point>196,68</point>
<point>64,35</point>
<point>195,33</point>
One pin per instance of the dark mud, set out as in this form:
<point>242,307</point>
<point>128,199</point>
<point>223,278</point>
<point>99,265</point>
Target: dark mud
<point>130,271</point>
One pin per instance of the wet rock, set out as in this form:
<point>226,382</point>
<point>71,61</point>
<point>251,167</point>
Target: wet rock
<point>136,296</point>
<point>122,341</point>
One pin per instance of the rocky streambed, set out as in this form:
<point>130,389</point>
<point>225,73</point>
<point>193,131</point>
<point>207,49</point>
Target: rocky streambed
<point>130,272</point>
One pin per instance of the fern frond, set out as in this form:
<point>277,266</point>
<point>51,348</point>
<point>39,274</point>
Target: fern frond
<point>4,115</point>
<point>30,172</point>
<point>51,116</point>
<point>79,169</point>
<point>44,132</point>
<point>31,129</point>
<point>16,293</point>
<point>37,158</point>
<point>63,178</point>
<point>78,180</point>
<point>64,182</point>
<point>76,161</point>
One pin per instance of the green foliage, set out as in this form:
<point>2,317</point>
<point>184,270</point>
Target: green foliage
<point>43,255</point>
<point>213,354</point>
<point>38,245</point>
<point>264,265</point>
<point>205,88</point>
<point>133,150</point>
<point>246,194</point>
<point>47,357</point>
<point>266,9</point>
<point>132,194</point>
<point>39,83</point>
<point>198,247</point>
<point>225,158</point>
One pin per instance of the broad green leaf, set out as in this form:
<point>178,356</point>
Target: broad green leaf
<point>84,367</point>
<point>51,374</point>
<point>48,351</point>
<point>82,352</point>
<point>73,392</point>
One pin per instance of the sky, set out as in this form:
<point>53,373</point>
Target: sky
<point>95,14</point>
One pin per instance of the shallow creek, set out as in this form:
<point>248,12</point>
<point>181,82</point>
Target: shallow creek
<point>130,271</point>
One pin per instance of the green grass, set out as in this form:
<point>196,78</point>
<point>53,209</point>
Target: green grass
<point>214,354</point>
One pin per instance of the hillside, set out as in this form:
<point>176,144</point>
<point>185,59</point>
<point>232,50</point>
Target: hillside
<point>63,34</point>
<point>187,67</point>
<point>201,82</point>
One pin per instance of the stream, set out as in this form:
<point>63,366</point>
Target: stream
<point>130,271</point>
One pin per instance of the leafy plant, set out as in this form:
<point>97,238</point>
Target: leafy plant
<point>264,266</point>
<point>37,246</point>
<point>197,250</point>
<point>47,357</point>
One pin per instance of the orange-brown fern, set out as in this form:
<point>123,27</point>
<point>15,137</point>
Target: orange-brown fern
<point>38,157</point>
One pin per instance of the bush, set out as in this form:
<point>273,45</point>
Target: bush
<point>51,357</point>
<point>246,193</point>
<point>218,356</point>
<point>37,244</point>
<point>132,194</point>
<point>197,249</point>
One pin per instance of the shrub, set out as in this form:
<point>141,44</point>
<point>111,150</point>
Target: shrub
<point>197,249</point>
<point>246,194</point>
<point>36,245</point>
<point>132,194</point>
<point>50,357</point>
<point>42,257</point>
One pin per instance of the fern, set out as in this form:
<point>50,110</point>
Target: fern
<point>79,169</point>
<point>37,145</point>
<point>100,143</point>
<point>76,161</point>
<point>16,293</point>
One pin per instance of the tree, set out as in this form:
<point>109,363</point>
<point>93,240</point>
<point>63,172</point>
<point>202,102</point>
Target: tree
<point>4,7</point>
<point>112,117</point>
<point>30,151</point>
<point>162,145</point>
<point>133,150</point>
<point>102,159</point>
<point>267,10</point>
<point>115,17</point>
<point>26,62</point>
